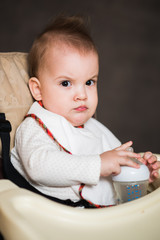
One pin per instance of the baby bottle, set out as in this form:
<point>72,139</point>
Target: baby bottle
<point>131,183</point>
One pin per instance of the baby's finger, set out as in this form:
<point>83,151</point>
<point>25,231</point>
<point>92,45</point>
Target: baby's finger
<point>129,154</point>
<point>140,159</point>
<point>125,161</point>
<point>155,165</point>
<point>152,159</point>
<point>153,176</point>
<point>147,155</point>
<point>124,146</point>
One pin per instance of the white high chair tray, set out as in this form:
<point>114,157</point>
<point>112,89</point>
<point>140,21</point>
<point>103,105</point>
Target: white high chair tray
<point>25,216</point>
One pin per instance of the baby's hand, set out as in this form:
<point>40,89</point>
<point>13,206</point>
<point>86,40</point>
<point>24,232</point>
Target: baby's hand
<point>112,160</point>
<point>151,161</point>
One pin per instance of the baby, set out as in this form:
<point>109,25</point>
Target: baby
<point>60,149</point>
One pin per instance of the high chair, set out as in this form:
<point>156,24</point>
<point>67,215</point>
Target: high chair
<point>25,215</point>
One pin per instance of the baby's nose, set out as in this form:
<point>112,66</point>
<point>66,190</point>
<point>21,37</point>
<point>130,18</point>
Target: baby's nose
<point>80,94</point>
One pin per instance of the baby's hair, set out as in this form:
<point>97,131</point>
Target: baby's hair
<point>71,31</point>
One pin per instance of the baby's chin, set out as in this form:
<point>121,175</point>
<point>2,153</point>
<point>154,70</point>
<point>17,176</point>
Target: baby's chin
<point>78,122</point>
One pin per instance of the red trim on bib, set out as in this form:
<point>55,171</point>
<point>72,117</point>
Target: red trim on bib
<point>41,124</point>
<point>93,204</point>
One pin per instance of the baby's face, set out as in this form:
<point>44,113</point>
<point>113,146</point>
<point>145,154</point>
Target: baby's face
<point>68,83</point>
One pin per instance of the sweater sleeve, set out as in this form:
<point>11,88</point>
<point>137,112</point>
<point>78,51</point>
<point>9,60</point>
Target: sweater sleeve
<point>37,157</point>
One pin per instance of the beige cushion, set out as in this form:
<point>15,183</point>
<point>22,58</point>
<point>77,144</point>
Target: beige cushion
<point>15,97</point>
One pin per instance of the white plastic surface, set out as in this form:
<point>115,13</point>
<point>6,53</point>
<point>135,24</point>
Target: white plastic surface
<point>129,174</point>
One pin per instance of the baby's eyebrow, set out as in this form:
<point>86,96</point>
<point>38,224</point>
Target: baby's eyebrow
<point>95,76</point>
<point>63,77</point>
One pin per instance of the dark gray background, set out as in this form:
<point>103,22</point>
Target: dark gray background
<point>127,33</point>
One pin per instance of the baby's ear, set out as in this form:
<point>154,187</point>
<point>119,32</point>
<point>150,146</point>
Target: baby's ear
<point>35,88</point>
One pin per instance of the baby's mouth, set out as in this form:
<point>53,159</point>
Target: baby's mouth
<point>81,108</point>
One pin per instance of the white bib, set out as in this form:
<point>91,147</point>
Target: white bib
<point>93,139</point>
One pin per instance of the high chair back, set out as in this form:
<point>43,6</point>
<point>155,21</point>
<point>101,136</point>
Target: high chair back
<point>15,97</point>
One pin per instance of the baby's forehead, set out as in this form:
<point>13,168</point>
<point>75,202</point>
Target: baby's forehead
<point>64,48</point>
<point>66,60</point>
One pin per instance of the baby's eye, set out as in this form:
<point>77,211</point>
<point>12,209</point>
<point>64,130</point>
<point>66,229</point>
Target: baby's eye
<point>66,83</point>
<point>90,82</point>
